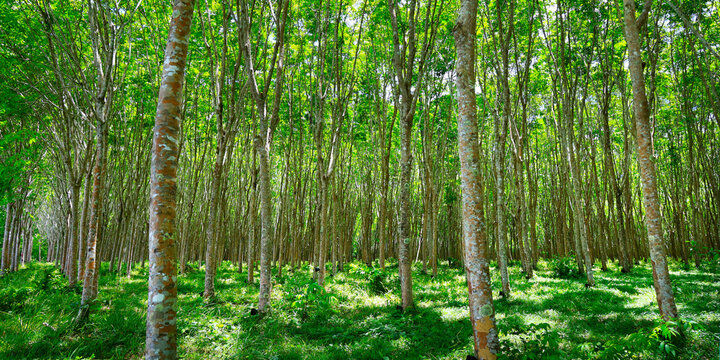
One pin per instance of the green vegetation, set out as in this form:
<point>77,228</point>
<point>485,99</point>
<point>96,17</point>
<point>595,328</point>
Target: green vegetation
<point>547,317</point>
<point>560,133</point>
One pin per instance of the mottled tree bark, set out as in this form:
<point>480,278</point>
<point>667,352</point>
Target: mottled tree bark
<point>89,292</point>
<point>477,270</point>
<point>104,51</point>
<point>648,174</point>
<point>6,238</point>
<point>501,128</point>
<point>405,55</point>
<point>406,122</point>
<point>161,331</point>
<point>404,216</point>
<point>266,225</point>
<point>82,238</point>
<point>73,243</point>
<point>263,140</point>
<point>499,164</point>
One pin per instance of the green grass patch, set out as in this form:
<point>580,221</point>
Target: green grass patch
<point>552,316</point>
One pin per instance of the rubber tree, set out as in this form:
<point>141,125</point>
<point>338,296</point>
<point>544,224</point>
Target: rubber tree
<point>161,331</point>
<point>268,123</point>
<point>106,31</point>
<point>227,127</point>
<point>409,52</point>
<point>477,268</point>
<point>648,173</point>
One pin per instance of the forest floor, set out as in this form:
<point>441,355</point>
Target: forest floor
<point>546,318</point>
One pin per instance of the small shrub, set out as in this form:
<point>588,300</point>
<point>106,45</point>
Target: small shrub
<point>454,263</point>
<point>533,341</point>
<point>50,280</point>
<point>358,269</point>
<point>314,300</point>
<point>660,342</point>
<point>713,264</point>
<point>13,298</point>
<point>379,281</point>
<point>564,268</point>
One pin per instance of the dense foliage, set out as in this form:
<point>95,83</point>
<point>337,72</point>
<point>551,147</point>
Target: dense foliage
<point>47,134</point>
<point>324,135</point>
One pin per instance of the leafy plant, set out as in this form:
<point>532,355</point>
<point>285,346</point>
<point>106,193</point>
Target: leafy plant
<point>533,341</point>
<point>314,300</point>
<point>379,281</point>
<point>13,298</point>
<point>662,341</point>
<point>564,268</point>
<point>49,280</point>
<point>454,263</point>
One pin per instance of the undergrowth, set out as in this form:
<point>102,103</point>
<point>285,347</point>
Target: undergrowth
<point>355,316</point>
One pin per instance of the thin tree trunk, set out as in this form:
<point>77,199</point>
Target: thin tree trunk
<point>266,224</point>
<point>73,231</point>
<point>6,238</point>
<point>477,269</point>
<point>91,266</point>
<point>501,128</point>
<point>84,225</point>
<point>263,140</point>
<point>405,52</point>
<point>648,174</point>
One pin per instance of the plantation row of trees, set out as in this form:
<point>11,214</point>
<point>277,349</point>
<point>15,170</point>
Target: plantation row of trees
<point>323,132</point>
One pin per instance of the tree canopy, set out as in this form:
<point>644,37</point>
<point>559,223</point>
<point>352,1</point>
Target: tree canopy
<point>320,133</point>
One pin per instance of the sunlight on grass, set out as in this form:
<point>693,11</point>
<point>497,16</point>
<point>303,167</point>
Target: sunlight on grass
<point>644,299</point>
<point>356,318</point>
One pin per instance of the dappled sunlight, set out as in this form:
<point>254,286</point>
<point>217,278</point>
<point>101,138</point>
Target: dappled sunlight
<point>644,299</point>
<point>454,313</point>
<point>355,321</point>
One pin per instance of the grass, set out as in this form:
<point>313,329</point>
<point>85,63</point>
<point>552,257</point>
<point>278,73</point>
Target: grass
<point>357,318</point>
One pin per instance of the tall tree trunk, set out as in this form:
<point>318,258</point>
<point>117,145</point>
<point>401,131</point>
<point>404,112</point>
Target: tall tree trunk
<point>89,292</point>
<point>404,260</point>
<point>383,207</point>
<point>477,269</point>
<point>567,137</point>
<point>578,203</point>
<point>263,140</point>
<point>104,50</point>
<point>84,225</point>
<point>501,229</point>
<point>6,238</point>
<point>15,240</point>
<point>648,174</point>
<point>405,55</point>
<point>73,244</point>
<point>224,144</point>
<point>404,99</point>
<point>614,196</point>
<point>266,225</point>
<point>161,331</point>
<point>253,227</point>
<point>501,129</point>
<point>213,228</point>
